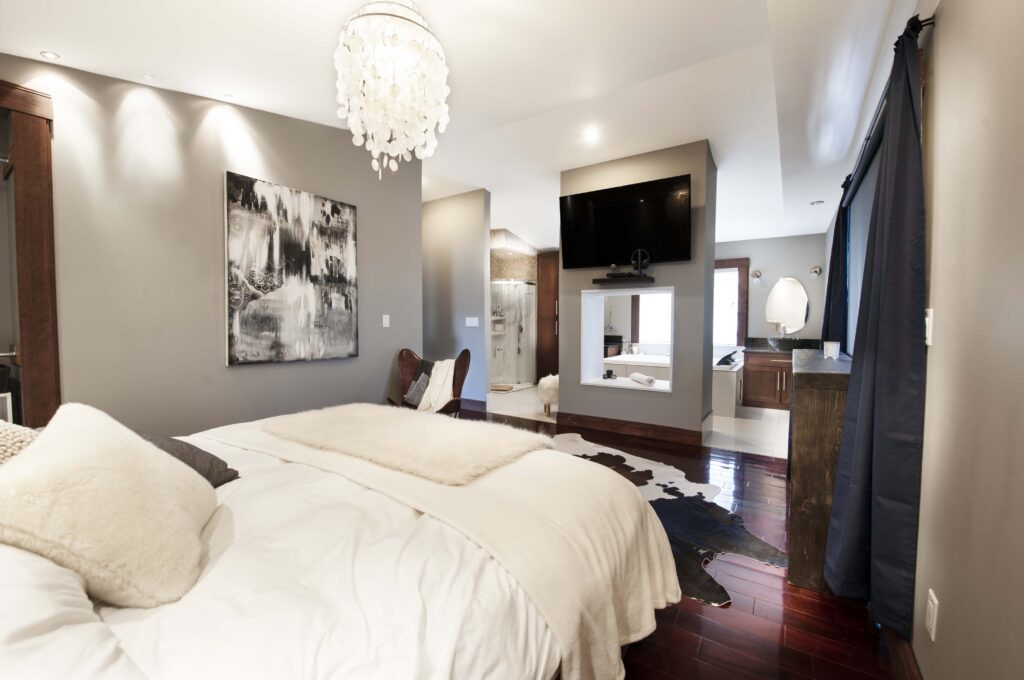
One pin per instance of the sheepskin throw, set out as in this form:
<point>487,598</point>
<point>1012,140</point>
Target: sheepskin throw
<point>427,445</point>
<point>439,388</point>
<point>96,498</point>
<point>13,438</point>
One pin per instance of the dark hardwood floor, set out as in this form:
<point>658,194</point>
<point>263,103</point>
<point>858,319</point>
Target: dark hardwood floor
<point>771,629</point>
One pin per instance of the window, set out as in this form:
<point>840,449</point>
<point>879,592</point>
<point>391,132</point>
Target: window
<point>857,246</point>
<point>727,300</point>
<point>656,319</point>
<point>729,315</point>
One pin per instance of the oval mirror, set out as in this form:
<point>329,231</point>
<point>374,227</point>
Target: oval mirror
<point>787,306</point>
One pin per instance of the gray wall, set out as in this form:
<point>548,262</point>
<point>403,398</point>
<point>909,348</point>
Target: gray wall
<point>776,258</point>
<point>690,400</point>
<point>970,549</point>
<point>456,272</point>
<point>139,210</point>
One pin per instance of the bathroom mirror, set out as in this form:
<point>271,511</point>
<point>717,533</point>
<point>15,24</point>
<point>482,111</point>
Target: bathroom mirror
<point>626,341</point>
<point>787,306</point>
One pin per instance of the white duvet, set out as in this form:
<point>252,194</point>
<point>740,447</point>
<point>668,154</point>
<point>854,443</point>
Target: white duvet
<point>309,575</point>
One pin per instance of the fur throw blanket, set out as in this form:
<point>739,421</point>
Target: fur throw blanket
<point>431,446</point>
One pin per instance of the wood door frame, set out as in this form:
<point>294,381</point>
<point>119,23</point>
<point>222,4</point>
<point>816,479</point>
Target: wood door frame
<point>31,115</point>
<point>743,265</point>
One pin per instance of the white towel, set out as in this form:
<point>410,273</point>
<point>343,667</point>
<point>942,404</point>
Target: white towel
<point>439,389</point>
<point>640,378</point>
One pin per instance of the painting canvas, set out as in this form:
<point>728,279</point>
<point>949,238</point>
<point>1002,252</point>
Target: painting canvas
<point>291,274</point>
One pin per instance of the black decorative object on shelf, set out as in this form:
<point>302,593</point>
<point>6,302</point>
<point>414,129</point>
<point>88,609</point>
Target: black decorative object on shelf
<point>641,260</point>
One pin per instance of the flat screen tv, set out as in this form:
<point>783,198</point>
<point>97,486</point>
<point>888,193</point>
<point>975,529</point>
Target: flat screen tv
<point>603,228</point>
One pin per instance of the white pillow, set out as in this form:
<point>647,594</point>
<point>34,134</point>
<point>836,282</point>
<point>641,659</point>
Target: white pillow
<point>96,498</point>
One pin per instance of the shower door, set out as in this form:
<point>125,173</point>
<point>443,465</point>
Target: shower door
<point>513,333</point>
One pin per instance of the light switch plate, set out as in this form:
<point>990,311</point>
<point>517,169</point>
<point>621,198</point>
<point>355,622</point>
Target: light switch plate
<point>931,614</point>
<point>385,321</point>
<point>472,321</point>
<point>929,322</point>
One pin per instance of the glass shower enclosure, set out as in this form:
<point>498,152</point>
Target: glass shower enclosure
<point>513,333</point>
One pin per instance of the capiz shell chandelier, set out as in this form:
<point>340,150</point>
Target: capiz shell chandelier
<point>392,83</point>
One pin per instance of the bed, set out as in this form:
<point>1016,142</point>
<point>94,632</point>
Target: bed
<point>316,569</point>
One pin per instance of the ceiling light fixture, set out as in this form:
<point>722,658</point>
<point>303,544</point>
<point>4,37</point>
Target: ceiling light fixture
<point>392,83</point>
<point>591,134</point>
<point>817,202</point>
<point>149,76</point>
<point>52,56</point>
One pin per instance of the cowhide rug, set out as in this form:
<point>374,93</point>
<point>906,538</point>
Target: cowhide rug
<point>697,528</point>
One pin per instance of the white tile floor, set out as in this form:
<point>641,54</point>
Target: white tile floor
<point>756,430</point>
<point>521,404</point>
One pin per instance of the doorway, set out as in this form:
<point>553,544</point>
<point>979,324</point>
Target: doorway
<point>29,358</point>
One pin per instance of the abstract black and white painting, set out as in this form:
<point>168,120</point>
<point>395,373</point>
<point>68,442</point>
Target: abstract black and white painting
<point>291,274</point>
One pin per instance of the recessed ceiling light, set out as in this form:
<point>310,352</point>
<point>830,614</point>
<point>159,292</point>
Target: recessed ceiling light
<point>52,56</point>
<point>817,202</point>
<point>149,76</point>
<point>591,134</point>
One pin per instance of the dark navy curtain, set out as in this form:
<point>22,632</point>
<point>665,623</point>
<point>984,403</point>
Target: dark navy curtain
<point>872,538</point>
<point>833,325</point>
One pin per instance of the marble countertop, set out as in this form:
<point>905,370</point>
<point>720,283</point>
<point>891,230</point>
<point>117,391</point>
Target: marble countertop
<point>812,370</point>
<point>780,345</point>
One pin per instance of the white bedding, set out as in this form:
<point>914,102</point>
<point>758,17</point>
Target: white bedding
<point>309,575</point>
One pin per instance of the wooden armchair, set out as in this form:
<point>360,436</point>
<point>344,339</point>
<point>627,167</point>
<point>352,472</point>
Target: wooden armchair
<point>409,361</point>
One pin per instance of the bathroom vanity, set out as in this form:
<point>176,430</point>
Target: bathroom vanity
<point>768,370</point>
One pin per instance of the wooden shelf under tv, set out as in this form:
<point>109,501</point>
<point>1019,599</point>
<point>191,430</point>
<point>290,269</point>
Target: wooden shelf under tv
<point>623,280</point>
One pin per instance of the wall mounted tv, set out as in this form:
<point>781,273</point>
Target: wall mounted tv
<point>603,228</point>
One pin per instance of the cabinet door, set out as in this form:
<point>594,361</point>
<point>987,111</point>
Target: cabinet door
<point>787,387</point>
<point>547,313</point>
<point>761,387</point>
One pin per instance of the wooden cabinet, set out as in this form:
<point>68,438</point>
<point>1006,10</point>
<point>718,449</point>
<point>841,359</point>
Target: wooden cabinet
<point>548,265</point>
<point>767,379</point>
<point>816,427</point>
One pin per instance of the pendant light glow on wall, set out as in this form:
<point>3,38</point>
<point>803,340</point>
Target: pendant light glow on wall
<point>392,83</point>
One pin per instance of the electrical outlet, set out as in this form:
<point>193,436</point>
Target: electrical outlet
<point>385,321</point>
<point>472,321</point>
<point>929,323</point>
<point>931,614</point>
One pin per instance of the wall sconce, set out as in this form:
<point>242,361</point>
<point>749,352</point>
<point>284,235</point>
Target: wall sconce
<point>756,274</point>
<point>815,272</point>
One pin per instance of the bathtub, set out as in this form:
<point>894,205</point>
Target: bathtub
<point>658,366</point>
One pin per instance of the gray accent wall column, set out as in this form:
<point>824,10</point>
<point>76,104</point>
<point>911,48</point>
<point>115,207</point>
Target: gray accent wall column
<point>138,199</point>
<point>456,283</point>
<point>690,400</point>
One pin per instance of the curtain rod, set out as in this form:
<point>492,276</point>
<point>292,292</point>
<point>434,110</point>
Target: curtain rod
<point>915,24</point>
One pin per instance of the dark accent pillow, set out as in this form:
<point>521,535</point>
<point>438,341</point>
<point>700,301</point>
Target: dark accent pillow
<point>212,468</point>
<point>416,391</point>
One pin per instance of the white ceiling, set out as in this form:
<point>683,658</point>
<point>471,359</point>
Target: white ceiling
<point>783,89</point>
